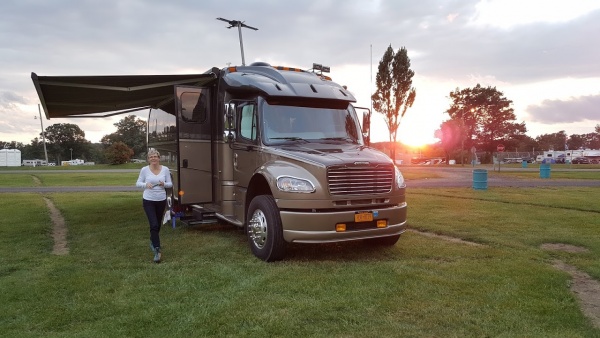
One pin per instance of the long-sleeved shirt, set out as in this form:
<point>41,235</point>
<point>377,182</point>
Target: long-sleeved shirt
<point>156,193</point>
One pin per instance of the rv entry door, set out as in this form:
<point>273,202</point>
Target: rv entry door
<point>194,144</point>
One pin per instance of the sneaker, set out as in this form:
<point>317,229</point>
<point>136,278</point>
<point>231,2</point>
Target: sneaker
<point>157,255</point>
<point>152,247</point>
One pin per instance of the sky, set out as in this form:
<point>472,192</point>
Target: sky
<point>542,55</point>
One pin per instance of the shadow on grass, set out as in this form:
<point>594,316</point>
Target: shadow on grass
<point>351,251</point>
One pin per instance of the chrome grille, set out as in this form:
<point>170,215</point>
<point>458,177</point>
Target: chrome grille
<point>360,180</point>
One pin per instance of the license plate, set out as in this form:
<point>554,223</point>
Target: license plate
<point>363,217</point>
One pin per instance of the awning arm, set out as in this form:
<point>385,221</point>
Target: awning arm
<point>111,114</point>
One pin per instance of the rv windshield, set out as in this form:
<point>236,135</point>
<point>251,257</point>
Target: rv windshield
<point>307,124</point>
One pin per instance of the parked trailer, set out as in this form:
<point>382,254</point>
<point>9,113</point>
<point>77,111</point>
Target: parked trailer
<point>277,151</point>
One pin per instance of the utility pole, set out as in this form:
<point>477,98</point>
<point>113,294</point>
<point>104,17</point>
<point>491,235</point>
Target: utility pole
<point>43,135</point>
<point>239,25</point>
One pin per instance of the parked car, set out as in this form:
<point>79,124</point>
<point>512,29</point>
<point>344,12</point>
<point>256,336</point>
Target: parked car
<point>581,160</point>
<point>528,159</point>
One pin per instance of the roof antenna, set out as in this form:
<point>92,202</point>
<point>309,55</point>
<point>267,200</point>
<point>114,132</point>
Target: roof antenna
<point>239,25</point>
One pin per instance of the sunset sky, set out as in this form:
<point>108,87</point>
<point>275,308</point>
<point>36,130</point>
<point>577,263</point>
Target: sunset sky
<point>543,55</point>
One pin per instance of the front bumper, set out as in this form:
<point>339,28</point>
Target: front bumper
<point>320,227</point>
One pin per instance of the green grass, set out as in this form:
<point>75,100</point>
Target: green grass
<point>77,167</point>
<point>553,165</point>
<point>210,285</point>
<point>68,179</point>
<point>578,175</point>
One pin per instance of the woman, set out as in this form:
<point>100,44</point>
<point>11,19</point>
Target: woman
<point>154,178</point>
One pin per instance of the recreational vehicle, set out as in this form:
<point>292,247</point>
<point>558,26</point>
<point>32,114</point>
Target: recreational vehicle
<point>277,151</point>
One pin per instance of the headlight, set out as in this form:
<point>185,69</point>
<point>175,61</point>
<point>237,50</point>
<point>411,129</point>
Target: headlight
<point>292,184</point>
<point>399,178</point>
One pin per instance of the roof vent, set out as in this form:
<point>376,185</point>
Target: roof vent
<point>261,64</point>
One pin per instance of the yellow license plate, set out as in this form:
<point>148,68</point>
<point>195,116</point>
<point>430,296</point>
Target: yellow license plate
<point>363,217</point>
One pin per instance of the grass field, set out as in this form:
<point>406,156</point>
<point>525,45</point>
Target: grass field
<point>210,285</point>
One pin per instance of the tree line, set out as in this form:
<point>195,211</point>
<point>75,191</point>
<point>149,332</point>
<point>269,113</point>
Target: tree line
<point>480,118</point>
<point>66,141</point>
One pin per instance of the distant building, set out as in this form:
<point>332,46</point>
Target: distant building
<point>10,158</point>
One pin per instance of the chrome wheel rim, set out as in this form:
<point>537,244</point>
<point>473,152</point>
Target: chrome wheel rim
<point>257,229</point>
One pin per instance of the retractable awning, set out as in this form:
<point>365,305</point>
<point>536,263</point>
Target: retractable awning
<point>101,96</point>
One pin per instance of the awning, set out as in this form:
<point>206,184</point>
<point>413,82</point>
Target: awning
<point>101,96</point>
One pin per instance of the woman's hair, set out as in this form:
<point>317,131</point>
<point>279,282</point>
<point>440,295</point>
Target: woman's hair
<point>153,151</point>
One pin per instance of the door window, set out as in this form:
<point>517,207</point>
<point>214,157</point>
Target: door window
<point>248,122</point>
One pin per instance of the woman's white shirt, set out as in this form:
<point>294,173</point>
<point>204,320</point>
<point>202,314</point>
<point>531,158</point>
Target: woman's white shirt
<point>156,193</point>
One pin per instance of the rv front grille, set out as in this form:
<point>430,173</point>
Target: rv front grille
<point>360,180</point>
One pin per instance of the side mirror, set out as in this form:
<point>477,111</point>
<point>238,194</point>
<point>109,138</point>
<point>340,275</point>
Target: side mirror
<point>230,122</point>
<point>366,126</point>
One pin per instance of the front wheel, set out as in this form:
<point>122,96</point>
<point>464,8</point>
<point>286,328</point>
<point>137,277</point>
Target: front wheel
<point>264,229</point>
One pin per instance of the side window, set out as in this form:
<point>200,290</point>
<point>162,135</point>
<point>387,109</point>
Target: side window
<point>194,107</point>
<point>248,122</point>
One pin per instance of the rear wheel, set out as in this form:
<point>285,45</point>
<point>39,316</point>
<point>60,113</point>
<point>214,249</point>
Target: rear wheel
<point>264,229</point>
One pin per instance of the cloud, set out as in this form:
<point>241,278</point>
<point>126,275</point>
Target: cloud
<point>446,40</point>
<point>576,109</point>
<point>10,100</point>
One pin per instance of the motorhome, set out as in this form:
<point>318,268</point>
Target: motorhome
<point>34,163</point>
<point>277,151</point>
<point>560,156</point>
<point>72,162</point>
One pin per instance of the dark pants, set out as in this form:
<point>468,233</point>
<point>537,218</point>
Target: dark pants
<point>154,211</point>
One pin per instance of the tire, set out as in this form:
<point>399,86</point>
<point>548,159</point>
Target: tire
<point>264,229</point>
<point>384,241</point>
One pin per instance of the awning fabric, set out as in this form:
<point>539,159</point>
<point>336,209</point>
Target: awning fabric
<point>101,96</point>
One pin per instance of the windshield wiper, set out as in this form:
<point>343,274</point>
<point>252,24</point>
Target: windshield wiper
<point>338,139</point>
<point>289,139</point>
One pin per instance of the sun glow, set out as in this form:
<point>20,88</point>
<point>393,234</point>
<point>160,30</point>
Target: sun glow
<point>416,136</point>
<point>414,131</point>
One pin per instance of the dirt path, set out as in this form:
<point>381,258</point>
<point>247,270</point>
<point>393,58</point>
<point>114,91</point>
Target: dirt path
<point>59,230</point>
<point>584,287</point>
<point>445,238</point>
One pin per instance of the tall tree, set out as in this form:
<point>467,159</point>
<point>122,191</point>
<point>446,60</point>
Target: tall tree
<point>65,140</point>
<point>485,117</point>
<point>554,141</point>
<point>394,93</point>
<point>131,131</point>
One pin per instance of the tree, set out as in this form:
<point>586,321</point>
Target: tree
<point>11,145</point>
<point>555,141</point>
<point>485,117</point>
<point>394,93</point>
<point>577,141</point>
<point>450,137</point>
<point>66,139</point>
<point>130,131</point>
<point>118,153</point>
<point>34,150</point>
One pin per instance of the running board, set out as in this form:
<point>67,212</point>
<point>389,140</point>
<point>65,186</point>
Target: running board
<point>199,217</point>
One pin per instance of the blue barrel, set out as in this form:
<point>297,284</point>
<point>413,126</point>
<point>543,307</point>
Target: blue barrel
<point>545,170</point>
<point>480,179</point>
<point>524,164</point>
